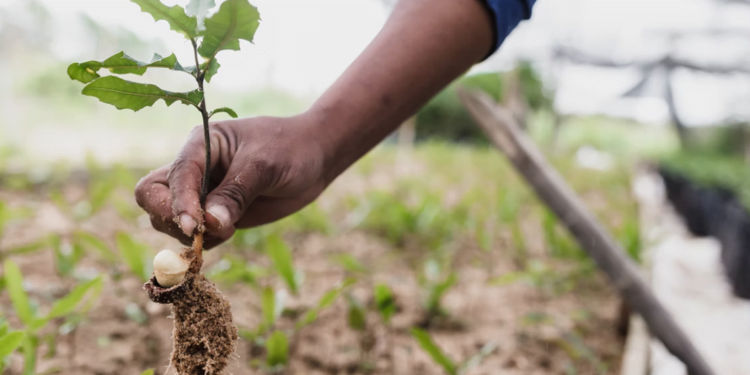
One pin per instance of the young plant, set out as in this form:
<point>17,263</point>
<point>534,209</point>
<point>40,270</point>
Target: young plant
<point>439,357</point>
<point>436,283</point>
<point>204,335</point>
<point>33,322</point>
<point>9,342</point>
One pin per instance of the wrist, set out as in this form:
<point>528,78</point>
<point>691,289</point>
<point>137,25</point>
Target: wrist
<point>323,127</point>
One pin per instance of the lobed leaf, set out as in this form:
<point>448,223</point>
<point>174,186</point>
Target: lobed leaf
<point>226,110</point>
<point>131,95</point>
<point>235,20</point>
<point>199,9</point>
<point>10,342</point>
<point>18,296</point>
<point>121,63</point>
<point>429,346</point>
<point>277,349</point>
<point>210,68</point>
<point>176,17</point>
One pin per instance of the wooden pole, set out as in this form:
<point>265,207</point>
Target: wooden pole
<point>504,133</point>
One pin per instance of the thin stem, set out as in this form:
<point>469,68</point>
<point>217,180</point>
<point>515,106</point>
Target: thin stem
<point>197,65</point>
<point>198,241</point>
<point>207,140</point>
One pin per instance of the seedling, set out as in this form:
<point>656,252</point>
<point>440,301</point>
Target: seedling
<point>443,360</point>
<point>32,320</point>
<point>204,335</point>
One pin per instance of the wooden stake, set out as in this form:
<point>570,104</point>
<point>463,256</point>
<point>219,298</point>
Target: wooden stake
<point>504,133</point>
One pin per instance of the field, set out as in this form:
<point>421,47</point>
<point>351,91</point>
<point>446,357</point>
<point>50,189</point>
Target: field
<point>429,260</point>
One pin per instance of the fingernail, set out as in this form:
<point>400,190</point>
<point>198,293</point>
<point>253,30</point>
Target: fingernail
<point>221,213</point>
<point>187,224</point>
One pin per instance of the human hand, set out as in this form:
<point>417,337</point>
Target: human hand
<point>263,169</point>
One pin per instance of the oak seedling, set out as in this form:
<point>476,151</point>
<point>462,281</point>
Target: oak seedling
<point>204,335</point>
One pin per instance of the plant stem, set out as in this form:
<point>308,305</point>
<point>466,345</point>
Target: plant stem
<point>199,75</point>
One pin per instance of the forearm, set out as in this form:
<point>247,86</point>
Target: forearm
<point>423,47</point>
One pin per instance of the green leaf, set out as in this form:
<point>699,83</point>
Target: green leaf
<point>37,324</point>
<point>14,284</point>
<point>226,110</point>
<point>91,241</point>
<point>268,304</point>
<point>277,349</point>
<point>357,316</point>
<point>279,252</point>
<point>199,9</point>
<point>235,20</point>
<point>120,63</point>
<point>213,68</point>
<point>429,346</point>
<point>134,255</point>
<point>176,17</point>
<point>148,372</point>
<point>477,359</point>
<point>437,291</point>
<point>385,302</point>
<point>27,248</point>
<point>30,344</point>
<point>131,95</point>
<point>326,301</point>
<point>70,302</point>
<point>350,263</point>
<point>66,258</point>
<point>10,342</point>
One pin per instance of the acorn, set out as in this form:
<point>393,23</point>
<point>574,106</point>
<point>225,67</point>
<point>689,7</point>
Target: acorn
<point>169,268</point>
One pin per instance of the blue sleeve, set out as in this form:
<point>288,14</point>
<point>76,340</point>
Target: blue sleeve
<point>507,14</point>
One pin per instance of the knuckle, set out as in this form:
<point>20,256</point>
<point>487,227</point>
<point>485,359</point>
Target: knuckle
<point>236,193</point>
<point>142,191</point>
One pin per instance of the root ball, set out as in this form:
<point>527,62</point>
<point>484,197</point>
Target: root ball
<point>204,335</point>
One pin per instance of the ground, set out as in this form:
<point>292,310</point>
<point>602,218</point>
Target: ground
<point>522,286</point>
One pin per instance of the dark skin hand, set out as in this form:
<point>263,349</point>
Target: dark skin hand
<point>265,168</point>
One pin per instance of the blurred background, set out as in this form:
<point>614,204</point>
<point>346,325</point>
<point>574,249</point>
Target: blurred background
<point>433,229</point>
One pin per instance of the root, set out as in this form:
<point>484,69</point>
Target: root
<point>204,336</point>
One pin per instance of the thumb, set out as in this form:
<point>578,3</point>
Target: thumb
<point>184,177</point>
<point>227,203</point>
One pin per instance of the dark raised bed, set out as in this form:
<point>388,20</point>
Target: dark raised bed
<point>715,212</point>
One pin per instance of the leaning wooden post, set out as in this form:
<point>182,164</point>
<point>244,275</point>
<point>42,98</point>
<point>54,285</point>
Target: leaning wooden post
<point>590,234</point>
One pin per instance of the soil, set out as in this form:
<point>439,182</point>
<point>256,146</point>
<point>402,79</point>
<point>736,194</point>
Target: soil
<point>535,331</point>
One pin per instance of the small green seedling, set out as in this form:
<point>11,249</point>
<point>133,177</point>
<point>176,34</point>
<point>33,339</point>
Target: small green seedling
<point>234,21</point>
<point>436,283</point>
<point>79,300</point>
<point>439,357</point>
<point>385,302</point>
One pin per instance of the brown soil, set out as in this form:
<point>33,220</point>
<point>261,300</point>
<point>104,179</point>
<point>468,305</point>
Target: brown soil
<point>535,331</point>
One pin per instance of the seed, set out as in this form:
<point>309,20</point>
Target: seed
<point>169,268</point>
